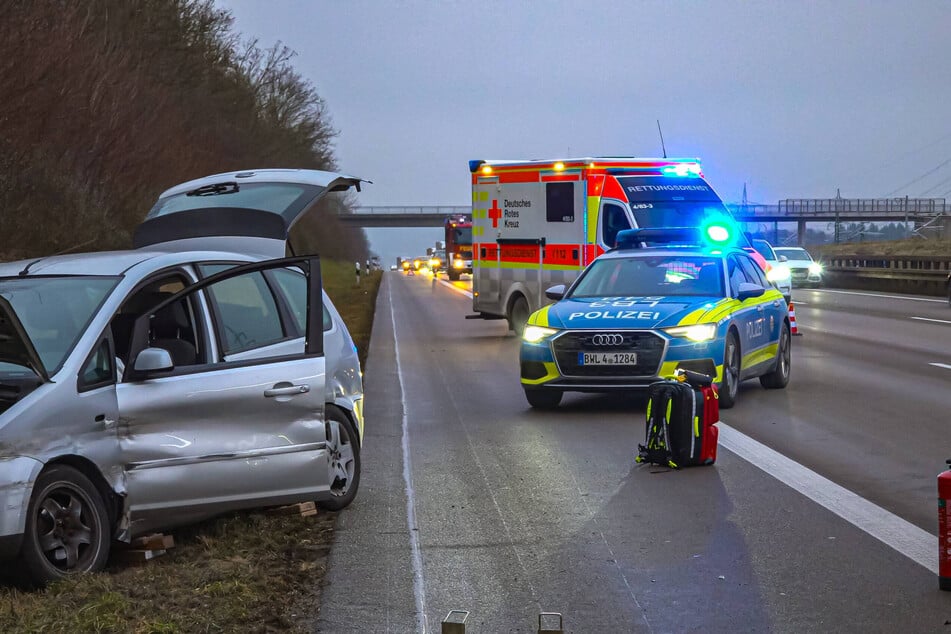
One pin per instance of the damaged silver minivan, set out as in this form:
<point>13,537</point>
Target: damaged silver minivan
<point>204,371</point>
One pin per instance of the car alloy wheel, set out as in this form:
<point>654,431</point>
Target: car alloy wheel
<point>67,528</point>
<point>731,372</point>
<point>343,461</point>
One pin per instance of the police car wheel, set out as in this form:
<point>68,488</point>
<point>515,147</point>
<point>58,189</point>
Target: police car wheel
<point>731,372</point>
<point>519,315</point>
<point>543,399</point>
<point>779,377</point>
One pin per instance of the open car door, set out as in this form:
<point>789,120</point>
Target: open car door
<point>220,435</point>
<point>245,212</point>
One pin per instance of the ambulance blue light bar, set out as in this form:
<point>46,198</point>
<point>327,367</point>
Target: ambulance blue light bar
<point>682,169</point>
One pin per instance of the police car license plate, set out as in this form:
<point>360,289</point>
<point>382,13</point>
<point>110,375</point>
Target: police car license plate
<point>607,358</point>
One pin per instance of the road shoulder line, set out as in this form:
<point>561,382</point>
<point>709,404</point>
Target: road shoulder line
<point>918,545</point>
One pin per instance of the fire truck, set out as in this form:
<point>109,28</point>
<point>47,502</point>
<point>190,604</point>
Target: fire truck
<point>537,223</point>
<point>458,246</point>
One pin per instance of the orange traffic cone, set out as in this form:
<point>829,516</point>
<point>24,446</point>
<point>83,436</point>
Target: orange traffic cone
<point>793,328</point>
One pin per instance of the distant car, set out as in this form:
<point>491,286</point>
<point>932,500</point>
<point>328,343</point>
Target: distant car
<point>777,272</point>
<point>199,373</point>
<point>636,315</point>
<point>805,271</point>
<point>393,267</point>
<point>420,262</point>
<point>437,261</point>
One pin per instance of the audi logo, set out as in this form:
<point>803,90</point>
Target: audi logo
<point>612,339</point>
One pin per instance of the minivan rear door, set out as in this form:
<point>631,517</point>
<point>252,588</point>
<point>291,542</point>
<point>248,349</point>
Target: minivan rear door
<point>245,212</point>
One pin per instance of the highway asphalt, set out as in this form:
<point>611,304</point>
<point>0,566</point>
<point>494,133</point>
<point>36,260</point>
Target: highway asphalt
<point>470,500</point>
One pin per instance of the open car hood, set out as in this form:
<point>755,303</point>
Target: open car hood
<point>251,211</point>
<point>15,344</point>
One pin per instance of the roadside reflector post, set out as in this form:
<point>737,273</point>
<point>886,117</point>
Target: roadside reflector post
<point>358,272</point>
<point>455,622</point>
<point>944,529</point>
<point>546,623</point>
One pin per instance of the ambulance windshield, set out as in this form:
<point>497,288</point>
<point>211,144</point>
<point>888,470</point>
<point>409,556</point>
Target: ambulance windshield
<point>674,213</point>
<point>670,202</point>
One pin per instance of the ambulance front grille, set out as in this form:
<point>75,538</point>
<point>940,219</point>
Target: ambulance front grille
<point>648,346</point>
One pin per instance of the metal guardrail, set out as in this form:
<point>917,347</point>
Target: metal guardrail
<point>927,275</point>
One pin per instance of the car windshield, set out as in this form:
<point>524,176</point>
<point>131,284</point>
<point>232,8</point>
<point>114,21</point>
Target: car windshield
<point>284,199</point>
<point>793,253</point>
<point>652,276</point>
<point>55,312</point>
<point>763,248</point>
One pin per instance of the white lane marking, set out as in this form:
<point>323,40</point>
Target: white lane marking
<point>419,585</point>
<point>940,321</point>
<point>918,545</point>
<point>941,365</point>
<point>911,299</point>
<point>456,288</point>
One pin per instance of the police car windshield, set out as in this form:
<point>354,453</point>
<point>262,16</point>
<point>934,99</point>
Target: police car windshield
<point>652,276</point>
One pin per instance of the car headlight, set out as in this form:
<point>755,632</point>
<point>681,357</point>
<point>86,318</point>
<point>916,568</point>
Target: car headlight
<point>458,264</point>
<point>815,268</point>
<point>696,332</point>
<point>434,262</point>
<point>778,273</point>
<point>535,334</point>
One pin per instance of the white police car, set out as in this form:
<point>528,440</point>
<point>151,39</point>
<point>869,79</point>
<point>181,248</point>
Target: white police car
<point>638,313</point>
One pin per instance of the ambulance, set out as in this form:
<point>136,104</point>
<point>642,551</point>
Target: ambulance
<point>538,223</point>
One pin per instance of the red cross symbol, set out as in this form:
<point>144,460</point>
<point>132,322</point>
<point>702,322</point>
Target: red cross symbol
<point>495,213</point>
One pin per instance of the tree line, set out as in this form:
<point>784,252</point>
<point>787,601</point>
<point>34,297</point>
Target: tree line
<point>104,104</point>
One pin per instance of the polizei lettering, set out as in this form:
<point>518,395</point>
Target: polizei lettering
<point>615,314</point>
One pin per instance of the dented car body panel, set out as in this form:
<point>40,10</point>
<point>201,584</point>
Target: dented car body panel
<point>236,420</point>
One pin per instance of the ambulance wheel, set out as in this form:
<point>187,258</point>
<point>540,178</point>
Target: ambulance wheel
<point>731,371</point>
<point>543,399</point>
<point>779,377</point>
<point>518,315</point>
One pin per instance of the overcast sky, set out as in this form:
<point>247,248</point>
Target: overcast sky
<point>795,99</point>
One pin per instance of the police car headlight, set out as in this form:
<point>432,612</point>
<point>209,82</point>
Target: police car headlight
<point>534,334</point>
<point>697,332</point>
<point>778,273</point>
<point>815,268</point>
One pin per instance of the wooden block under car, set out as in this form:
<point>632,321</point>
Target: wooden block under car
<point>303,509</point>
<point>154,541</point>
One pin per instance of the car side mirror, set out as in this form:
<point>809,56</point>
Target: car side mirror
<point>783,258</point>
<point>555,292</point>
<point>153,360</point>
<point>747,290</point>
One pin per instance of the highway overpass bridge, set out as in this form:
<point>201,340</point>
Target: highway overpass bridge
<point>927,214</point>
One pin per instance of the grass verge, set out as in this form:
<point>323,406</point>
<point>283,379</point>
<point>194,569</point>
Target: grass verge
<point>248,572</point>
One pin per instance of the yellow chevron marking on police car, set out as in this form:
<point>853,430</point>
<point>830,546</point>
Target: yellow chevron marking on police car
<point>692,317</point>
<point>667,369</point>
<point>761,355</point>
<point>551,372</point>
<point>540,317</point>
